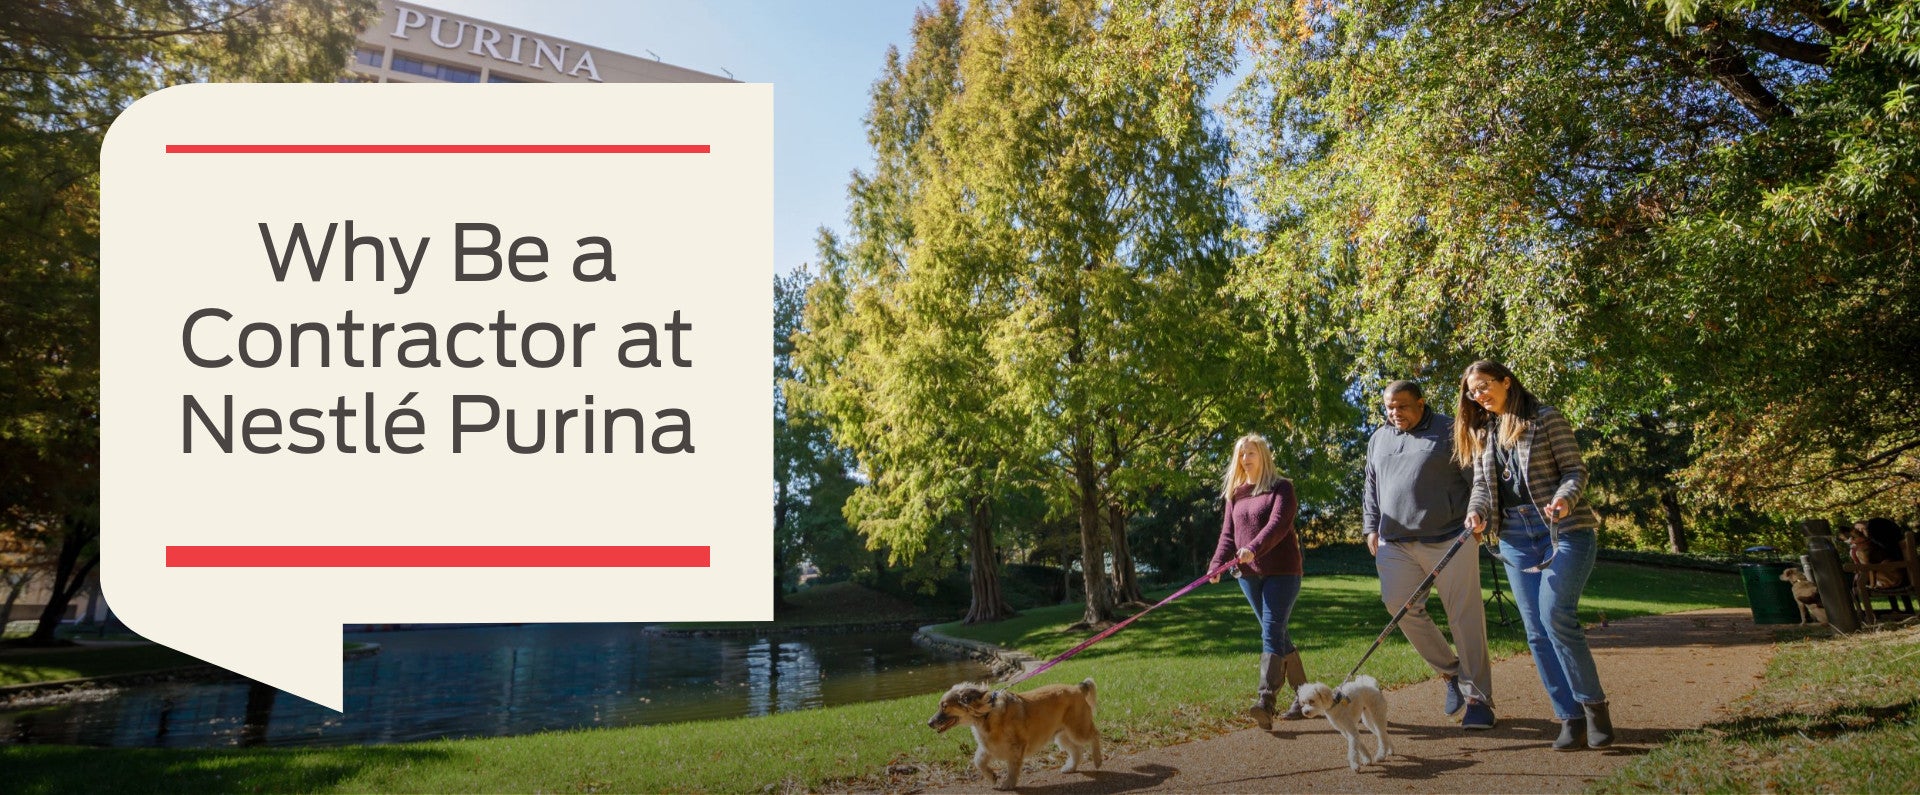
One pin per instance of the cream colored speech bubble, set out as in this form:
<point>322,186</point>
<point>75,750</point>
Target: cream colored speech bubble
<point>405,354</point>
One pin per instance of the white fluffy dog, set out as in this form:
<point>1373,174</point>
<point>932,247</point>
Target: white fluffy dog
<point>1357,703</point>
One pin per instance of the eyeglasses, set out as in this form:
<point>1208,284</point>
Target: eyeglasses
<point>1476,391</point>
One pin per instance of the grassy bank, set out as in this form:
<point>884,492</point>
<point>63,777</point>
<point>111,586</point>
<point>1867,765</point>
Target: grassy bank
<point>1835,715</point>
<point>21,666</point>
<point>1179,674</point>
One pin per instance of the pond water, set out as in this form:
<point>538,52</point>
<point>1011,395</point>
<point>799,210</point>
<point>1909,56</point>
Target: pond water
<point>493,681</point>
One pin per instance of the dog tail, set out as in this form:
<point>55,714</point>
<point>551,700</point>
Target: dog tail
<point>1086,686</point>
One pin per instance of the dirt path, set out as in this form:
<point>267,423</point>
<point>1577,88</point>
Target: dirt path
<point>1663,674</point>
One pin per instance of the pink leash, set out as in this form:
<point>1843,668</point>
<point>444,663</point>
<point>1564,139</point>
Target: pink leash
<point>1117,627</point>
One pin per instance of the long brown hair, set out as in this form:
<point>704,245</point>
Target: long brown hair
<point>1472,423</point>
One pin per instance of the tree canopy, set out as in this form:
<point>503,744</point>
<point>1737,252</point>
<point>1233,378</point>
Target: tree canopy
<point>66,71</point>
<point>1702,212</point>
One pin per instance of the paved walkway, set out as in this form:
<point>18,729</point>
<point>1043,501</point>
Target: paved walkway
<point>1663,674</point>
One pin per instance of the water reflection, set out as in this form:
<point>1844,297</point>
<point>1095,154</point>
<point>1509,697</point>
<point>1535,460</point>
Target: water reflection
<point>489,681</point>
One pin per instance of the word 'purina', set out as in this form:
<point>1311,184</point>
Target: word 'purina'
<point>487,41</point>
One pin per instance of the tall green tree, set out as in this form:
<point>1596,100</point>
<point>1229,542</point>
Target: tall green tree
<point>893,359</point>
<point>812,477</point>
<point>1032,290</point>
<point>66,70</point>
<point>1100,239</point>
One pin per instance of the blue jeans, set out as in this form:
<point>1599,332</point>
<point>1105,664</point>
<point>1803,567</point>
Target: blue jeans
<point>1549,603</point>
<point>1272,597</point>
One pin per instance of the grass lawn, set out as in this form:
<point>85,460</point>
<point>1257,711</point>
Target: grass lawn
<point>1835,715</point>
<point>1179,674</point>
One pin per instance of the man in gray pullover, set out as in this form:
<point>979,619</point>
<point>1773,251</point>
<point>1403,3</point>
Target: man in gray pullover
<point>1414,506</point>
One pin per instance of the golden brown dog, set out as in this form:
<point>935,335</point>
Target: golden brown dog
<point>1008,726</point>
<point>1806,596</point>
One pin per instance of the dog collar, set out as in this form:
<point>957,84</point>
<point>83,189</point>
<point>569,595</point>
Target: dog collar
<point>994,697</point>
<point>1339,697</point>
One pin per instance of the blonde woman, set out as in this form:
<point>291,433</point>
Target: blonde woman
<point>1527,482</point>
<point>1257,529</point>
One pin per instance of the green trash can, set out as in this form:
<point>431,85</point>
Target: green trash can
<point>1770,596</point>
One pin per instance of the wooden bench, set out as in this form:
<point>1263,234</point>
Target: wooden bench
<point>1908,567</point>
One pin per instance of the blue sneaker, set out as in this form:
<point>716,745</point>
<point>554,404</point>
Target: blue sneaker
<point>1454,700</point>
<point>1479,716</point>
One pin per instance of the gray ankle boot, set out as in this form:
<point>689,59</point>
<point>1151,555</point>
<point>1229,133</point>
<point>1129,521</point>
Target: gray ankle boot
<point>1599,725</point>
<point>1271,669</point>
<point>1296,672</point>
<point>1570,734</point>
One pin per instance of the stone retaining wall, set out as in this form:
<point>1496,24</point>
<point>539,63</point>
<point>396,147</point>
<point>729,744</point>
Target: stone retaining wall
<point>1004,662</point>
<point>658,631</point>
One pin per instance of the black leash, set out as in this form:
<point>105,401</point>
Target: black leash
<point>1419,595</point>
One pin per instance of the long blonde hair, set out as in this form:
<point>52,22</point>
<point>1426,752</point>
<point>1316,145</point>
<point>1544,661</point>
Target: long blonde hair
<point>1264,475</point>
<point>1473,423</point>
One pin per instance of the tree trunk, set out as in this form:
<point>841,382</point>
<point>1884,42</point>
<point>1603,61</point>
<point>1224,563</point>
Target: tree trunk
<point>1126,582</point>
<point>1093,557</point>
<point>1066,571</point>
<point>15,587</point>
<point>987,604</point>
<point>1676,524</point>
<point>780,510</point>
<point>69,573</point>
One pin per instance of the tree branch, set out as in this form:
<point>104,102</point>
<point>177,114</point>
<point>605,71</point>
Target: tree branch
<point>1728,66</point>
<point>1817,13</point>
<point>1867,466</point>
<point>203,28</point>
<point>1767,41</point>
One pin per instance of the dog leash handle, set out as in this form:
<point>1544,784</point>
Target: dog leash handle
<point>1117,627</point>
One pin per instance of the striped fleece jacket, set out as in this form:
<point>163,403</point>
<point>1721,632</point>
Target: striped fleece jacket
<point>1550,460</point>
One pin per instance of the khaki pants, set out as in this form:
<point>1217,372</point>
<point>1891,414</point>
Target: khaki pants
<point>1402,565</point>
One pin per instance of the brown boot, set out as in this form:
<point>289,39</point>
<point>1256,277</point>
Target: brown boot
<point>1296,673</point>
<point>1262,709</point>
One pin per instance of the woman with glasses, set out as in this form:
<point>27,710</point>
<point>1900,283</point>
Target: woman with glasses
<point>1527,479</point>
<point>1257,530</point>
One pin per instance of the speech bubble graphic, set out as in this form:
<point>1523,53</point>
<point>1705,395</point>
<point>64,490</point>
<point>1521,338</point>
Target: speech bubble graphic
<point>411,354</point>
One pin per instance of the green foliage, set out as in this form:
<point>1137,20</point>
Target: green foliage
<point>66,70</point>
<point>812,477</point>
<point>1031,294</point>
<point>1704,213</point>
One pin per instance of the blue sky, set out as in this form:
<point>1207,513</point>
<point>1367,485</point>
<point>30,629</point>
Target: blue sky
<point>822,58</point>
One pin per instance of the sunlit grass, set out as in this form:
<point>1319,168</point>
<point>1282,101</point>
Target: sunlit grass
<point>1835,715</point>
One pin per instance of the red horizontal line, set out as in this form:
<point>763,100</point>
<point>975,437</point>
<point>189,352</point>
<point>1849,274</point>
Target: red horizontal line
<point>435,557</point>
<point>438,149</point>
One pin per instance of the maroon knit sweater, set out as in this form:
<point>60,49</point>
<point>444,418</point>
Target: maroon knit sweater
<point>1264,524</point>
